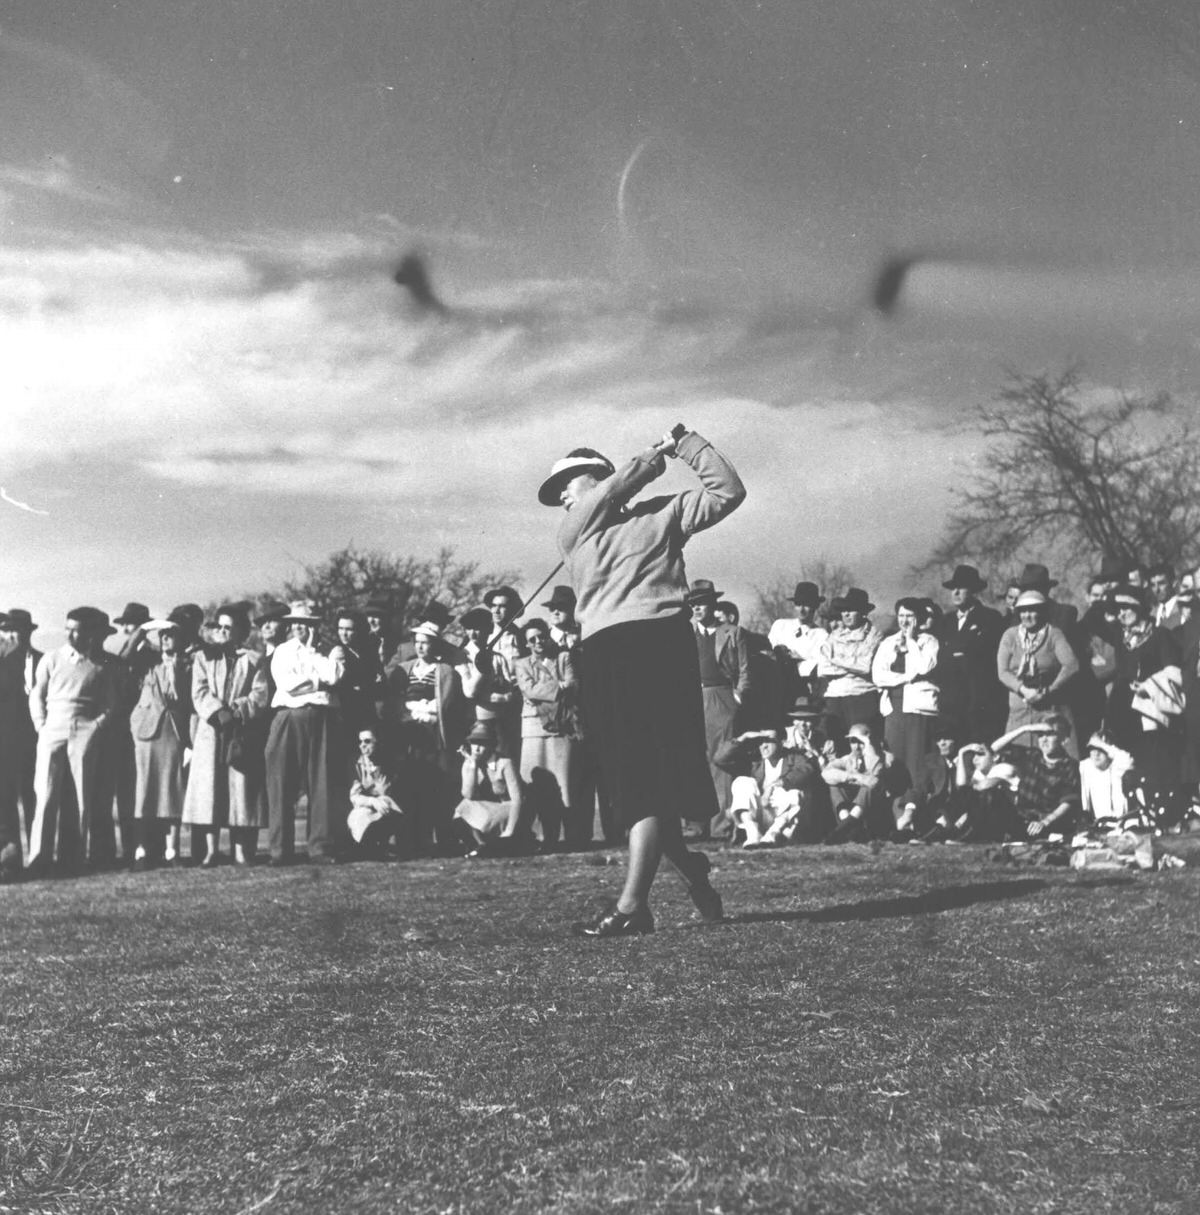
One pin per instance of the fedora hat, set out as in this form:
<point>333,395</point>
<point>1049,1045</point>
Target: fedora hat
<point>165,625</point>
<point>1036,577</point>
<point>808,593</point>
<point>92,618</point>
<point>561,600</point>
<point>273,611</point>
<point>302,611</point>
<point>507,591</point>
<point>134,613</point>
<point>1112,568</point>
<point>965,577</point>
<point>19,620</point>
<point>476,618</point>
<point>188,615</point>
<point>482,734</point>
<point>378,605</point>
<point>566,470</point>
<point>702,591</point>
<point>439,613</point>
<point>804,709</point>
<point>854,600</point>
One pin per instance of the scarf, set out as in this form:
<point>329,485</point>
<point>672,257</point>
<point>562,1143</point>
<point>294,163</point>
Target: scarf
<point>1136,635</point>
<point>1032,640</point>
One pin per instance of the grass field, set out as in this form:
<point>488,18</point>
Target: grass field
<point>907,1030</point>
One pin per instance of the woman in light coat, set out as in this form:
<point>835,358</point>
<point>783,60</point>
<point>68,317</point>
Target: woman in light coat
<point>901,669</point>
<point>229,690</point>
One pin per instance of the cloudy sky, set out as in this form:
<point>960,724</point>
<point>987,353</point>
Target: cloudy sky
<point>638,211</point>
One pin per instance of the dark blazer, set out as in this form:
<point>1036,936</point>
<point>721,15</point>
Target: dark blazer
<point>453,715</point>
<point>155,710</point>
<point>733,657</point>
<point>969,688</point>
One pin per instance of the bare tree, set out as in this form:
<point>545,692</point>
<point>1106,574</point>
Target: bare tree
<point>351,576</point>
<point>774,600</point>
<point>1071,482</point>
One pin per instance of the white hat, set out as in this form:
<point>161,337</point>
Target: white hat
<point>1028,599</point>
<point>428,628</point>
<point>567,469</point>
<point>160,626</point>
<point>302,611</point>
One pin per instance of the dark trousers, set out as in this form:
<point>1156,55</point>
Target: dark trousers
<point>302,757</point>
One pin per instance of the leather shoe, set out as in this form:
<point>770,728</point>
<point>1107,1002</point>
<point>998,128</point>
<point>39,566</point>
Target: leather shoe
<point>614,923</point>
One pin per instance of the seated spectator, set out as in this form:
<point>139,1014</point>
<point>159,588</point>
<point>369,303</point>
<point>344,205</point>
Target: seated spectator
<point>1048,795</point>
<point>928,802</point>
<point>489,815</point>
<point>376,819</point>
<point>865,783</point>
<point>1102,776</point>
<point>777,795</point>
<point>982,806</point>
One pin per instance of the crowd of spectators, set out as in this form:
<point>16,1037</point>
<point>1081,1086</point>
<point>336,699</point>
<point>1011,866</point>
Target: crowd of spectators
<point>965,722</point>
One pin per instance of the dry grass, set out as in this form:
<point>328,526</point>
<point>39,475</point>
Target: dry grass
<point>908,1030</point>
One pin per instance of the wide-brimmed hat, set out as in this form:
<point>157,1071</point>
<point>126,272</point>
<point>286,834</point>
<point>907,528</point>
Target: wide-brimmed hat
<point>134,613</point>
<point>302,611</point>
<point>273,611</point>
<point>482,734</point>
<point>428,628</point>
<point>566,470</point>
<point>439,613</point>
<point>93,618</point>
<point>163,625</point>
<point>1101,742</point>
<point>189,615</point>
<point>476,618</point>
<point>508,593</point>
<point>1112,569</point>
<point>1036,577</point>
<point>1128,596</point>
<point>562,599</point>
<point>804,709</point>
<point>1030,599</point>
<point>702,591</point>
<point>854,600</point>
<point>965,577</point>
<point>761,735</point>
<point>808,594</point>
<point>18,619</point>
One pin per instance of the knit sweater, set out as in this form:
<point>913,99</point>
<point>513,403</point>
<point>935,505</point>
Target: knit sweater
<point>626,562</point>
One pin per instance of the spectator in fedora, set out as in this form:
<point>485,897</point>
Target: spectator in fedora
<point>75,695</point>
<point>970,695</point>
<point>850,695</point>
<point>505,606</point>
<point>798,644</point>
<point>229,691</point>
<point>564,628</point>
<point>1036,664</point>
<point>434,717</point>
<point>16,630</point>
<point>489,816</point>
<point>160,725</point>
<point>903,669</point>
<point>303,753</point>
<point>134,657</point>
<point>725,680</point>
<point>379,613</point>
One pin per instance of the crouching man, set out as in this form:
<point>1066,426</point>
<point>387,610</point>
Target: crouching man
<point>775,794</point>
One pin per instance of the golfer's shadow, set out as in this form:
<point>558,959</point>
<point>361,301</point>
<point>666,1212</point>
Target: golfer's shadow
<point>941,898</point>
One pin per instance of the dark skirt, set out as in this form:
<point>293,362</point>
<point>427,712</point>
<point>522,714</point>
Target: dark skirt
<point>644,717</point>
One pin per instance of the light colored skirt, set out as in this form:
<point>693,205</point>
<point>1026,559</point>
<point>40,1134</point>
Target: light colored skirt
<point>488,818</point>
<point>160,776</point>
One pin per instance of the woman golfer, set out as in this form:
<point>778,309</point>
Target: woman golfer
<point>639,669</point>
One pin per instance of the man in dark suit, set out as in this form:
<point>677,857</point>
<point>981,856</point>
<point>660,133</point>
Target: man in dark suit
<point>725,679</point>
<point>16,627</point>
<point>971,695</point>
